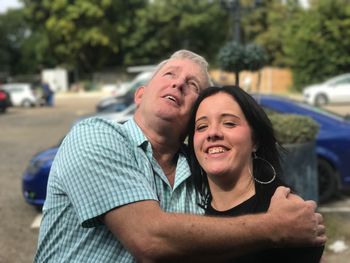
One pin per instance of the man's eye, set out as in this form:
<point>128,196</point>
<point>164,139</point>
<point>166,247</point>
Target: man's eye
<point>193,86</point>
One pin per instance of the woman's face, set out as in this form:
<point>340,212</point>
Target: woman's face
<point>222,139</point>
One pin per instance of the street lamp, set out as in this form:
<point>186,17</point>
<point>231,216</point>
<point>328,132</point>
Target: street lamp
<point>235,8</point>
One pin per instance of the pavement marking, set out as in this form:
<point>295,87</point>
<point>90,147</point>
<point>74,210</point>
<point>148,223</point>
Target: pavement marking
<point>334,209</point>
<point>36,222</point>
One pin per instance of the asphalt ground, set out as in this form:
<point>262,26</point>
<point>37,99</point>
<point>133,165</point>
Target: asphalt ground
<point>24,132</point>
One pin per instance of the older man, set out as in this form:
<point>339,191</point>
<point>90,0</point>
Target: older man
<point>119,193</point>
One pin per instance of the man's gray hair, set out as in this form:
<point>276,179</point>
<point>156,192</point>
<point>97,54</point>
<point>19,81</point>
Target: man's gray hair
<point>195,58</point>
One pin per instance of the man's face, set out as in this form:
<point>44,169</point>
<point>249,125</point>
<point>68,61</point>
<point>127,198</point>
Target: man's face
<point>172,91</point>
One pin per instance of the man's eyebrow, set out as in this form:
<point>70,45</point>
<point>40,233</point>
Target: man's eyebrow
<point>171,67</point>
<point>195,78</point>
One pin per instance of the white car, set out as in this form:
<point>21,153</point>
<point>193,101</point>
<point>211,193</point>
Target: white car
<point>334,90</point>
<point>140,79</point>
<point>21,94</point>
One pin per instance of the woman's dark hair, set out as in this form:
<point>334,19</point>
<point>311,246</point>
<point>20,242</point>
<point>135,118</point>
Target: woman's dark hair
<point>262,135</point>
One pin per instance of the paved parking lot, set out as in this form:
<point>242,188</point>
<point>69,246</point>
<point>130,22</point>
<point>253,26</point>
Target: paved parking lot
<point>26,131</point>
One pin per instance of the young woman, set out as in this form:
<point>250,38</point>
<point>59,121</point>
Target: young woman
<point>235,161</point>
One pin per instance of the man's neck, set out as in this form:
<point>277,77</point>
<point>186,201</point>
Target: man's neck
<point>165,144</point>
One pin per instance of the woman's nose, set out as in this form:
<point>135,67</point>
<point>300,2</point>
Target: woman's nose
<point>214,133</point>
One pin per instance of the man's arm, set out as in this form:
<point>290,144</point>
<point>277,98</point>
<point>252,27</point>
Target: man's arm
<point>152,235</point>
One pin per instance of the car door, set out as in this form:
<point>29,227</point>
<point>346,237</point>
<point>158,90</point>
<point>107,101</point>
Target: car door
<point>341,90</point>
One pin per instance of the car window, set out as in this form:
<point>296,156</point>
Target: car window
<point>339,81</point>
<point>16,89</point>
<point>342,81</point>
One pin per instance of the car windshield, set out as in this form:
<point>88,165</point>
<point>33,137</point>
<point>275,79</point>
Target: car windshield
<point>343,79</point>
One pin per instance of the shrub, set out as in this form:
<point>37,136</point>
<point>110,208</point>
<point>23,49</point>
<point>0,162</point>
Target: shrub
<point>293,128</point>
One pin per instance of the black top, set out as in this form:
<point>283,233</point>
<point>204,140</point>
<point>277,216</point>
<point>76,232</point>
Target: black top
<point>260,202</point>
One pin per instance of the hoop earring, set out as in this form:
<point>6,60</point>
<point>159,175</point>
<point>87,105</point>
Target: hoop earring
<point>255,157</point>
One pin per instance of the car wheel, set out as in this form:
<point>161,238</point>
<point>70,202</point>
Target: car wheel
<point>327,180</point>
<point>26,103</point>
<point>321,100</point>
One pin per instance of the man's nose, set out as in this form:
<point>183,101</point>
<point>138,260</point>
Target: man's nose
<point>179,83</point>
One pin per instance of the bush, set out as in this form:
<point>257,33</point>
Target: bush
<point>293,128</point>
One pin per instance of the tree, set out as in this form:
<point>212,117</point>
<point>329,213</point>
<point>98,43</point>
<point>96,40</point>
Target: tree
<point>87,35</point>
<point>167,25</point>
<point>317,42</point>
<point>13,32</point>
<point>236,58</point>
<point>265,25</point>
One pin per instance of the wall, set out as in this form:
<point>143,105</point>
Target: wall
<point>273,80</point>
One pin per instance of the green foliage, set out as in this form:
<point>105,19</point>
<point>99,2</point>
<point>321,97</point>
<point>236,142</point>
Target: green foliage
<point>82,34</point>
<point>292,128</point>
<point>231,57</point>
<point>167,25</point>
<point>236,57</point>
<point>265,24</point>
<point>317,42</point>
<point>13,32</point>
<point>255,57</point>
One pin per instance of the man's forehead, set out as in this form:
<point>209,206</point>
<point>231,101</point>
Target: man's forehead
<point>179,64</point>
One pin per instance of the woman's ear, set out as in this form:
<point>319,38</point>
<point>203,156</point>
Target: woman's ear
<point>138,95</point>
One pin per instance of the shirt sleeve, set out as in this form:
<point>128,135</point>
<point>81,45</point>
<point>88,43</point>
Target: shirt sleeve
<point>99,170</point>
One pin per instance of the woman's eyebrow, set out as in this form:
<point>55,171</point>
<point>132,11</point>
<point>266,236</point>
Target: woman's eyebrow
<point>201,118</point>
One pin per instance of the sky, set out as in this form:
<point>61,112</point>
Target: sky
<point>5,4</point>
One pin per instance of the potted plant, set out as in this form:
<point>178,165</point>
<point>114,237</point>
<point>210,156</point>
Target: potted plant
<point>297,133</point>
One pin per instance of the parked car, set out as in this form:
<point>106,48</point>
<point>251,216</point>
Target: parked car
<point>116,103</point>
<point>332,142</point>
<point>21,94</point>
<point>125,95</point>
<point>5,100</point>
<point>35,176</point>
<point>334,90</point>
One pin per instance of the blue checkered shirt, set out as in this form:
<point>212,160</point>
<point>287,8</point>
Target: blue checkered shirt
<point>102,165</point>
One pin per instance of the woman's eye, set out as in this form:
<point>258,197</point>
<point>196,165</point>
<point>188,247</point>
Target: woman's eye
<point>230,124</point>
<point>201,127</point>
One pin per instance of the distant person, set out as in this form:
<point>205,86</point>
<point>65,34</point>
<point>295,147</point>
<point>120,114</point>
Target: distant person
<point>48,94</point>
<point>120,192</point>
<point>236,166</point>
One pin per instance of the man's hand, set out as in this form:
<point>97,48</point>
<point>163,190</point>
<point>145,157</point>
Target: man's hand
<point>296,220</point>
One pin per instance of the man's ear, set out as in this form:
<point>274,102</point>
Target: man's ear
<point>138,95</point>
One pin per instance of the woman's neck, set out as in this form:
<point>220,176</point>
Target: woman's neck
<point>226,198</point>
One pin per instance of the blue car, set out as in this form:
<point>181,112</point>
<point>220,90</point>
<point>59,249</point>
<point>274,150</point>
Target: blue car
<point>34,179</point>
<point>332,142</point>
